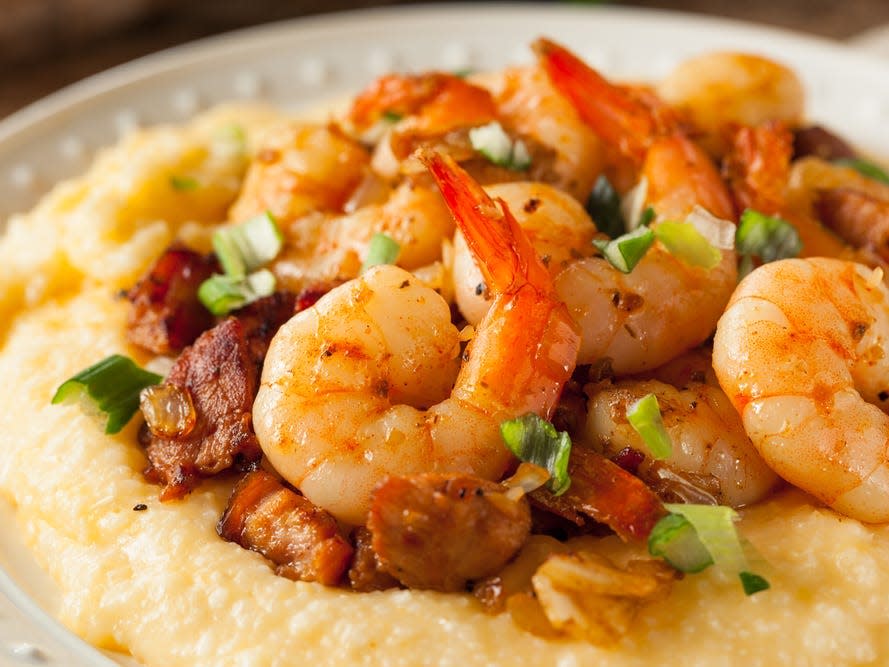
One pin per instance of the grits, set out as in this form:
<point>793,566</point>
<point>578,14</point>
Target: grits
<point>159,584</point>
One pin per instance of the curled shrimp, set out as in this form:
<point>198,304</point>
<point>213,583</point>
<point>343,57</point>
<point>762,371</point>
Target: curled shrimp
<point>800,352</point>
<point>712,456</point>
<point>362,385</point>
<point>664,306</point>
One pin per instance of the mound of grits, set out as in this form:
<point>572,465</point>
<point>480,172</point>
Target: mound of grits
<point>161,585</point>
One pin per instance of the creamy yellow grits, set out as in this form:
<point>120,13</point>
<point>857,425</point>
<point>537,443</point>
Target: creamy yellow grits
<point>161,585</point>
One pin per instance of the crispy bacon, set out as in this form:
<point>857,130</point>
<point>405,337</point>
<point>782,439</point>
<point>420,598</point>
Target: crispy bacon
<point>862,220</point>
<point>606,493</point>
<point>439,531</point>
<point>221,373</point>
<point>821,143</point>
<point>166,314</point>
<point>302,540</point>
<point>366,574</point>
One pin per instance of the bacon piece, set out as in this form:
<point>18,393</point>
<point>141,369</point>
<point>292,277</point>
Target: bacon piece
<point>166,314</point>
<point>439,531</point>
<point>221,373</point>
<point>302,540</point>
<point>366,574</point>
<point>821,143</point>
<point>860,219</point>
<point>605,492</point>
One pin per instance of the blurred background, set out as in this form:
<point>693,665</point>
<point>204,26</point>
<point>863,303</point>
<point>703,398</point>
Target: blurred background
<point>47,44</point>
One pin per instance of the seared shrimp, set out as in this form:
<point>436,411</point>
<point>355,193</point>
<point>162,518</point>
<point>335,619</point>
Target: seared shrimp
<point>712,456</point>
<point>664,306</point>
<point>800,352</point>
<point>359,386</point>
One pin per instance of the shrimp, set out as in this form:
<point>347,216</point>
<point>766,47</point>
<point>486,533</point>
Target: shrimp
<point>712,456</point>
<point>718,90</point>
<point>800,352</point>
<point>368,382</point>
<point>663,307</point>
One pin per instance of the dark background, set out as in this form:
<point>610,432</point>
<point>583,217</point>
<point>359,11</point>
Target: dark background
<point>46,44</point>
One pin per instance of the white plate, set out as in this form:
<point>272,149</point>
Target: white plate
<point>301,63</point>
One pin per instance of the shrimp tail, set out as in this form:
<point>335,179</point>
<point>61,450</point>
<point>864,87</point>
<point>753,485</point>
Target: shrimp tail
<point>528,330</point>
<point>617,117</point>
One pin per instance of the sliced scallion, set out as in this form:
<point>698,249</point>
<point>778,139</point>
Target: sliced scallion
<point>753,583</point>
<point>674,539</point>
<point>684,241</point>
<point>247,246</point>
<point>536,441</point>
<point>625,252</point>
<point>864,168</point>
<point>646,217</point>
<point>492,141</point>
<point>645,417</point>
<point>184,183</point>
<point>603,205</point>
<point>222,294</point>
<point>767,237</point>
<point>382,249</point>
<point>109,388</point>
<point>390,116</point>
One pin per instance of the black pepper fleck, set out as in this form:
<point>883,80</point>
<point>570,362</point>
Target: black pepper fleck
<point>141,507</point>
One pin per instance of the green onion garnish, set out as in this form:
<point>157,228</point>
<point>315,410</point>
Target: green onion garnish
<point>864,168</point>
<point>625,252</point>
<point>674,539</point>
<point>715,528</point>
<point>645,417</point>
<point>109,389</point>
<point>492,141</point>
<point>684,241</point>
<point>390,116</point>
<point>184,183</point>
<point>646,217</point>
<point>247,246</point>
<point>230,139</point>
<point>536,441</point>
<point>603,205</point>
<point>223,294</point>
<point>766,237</point>
<point>382,249</point>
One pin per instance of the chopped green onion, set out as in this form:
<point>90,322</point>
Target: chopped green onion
<point>645,417</point>
<point>390,116</point>
<point>719,233</point>
<point>684,241</point>
<point>864,168</point>
<point>603,205</point>
<point>109,388</point>
<point>230,139</point>
<point>646,217</point>
<point>674,539</point>
<point>382,249</point>
<point>247,246</point>
<point>715,528</point>
<point>766,237</point>
<point>536,441</point>
<point>184,183</point>
<point>753,583</point>
<point>463,73</point>
<point>223,294</point>
<point>625,252</point>
<point>492,141</point>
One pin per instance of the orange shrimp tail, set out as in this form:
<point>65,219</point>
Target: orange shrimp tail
<point>617,117</point>
<point>757,168</point>
<point>500,247</point>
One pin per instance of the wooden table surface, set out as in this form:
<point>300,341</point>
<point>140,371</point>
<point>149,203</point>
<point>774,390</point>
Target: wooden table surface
<point>68,46</point>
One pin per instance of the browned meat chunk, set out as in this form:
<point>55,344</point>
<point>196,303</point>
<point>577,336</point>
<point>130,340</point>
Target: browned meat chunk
<point>302,540</point>
<point>821,143</point>
<point>166,314</point>
<point>439,531</point>
<point>605,492</point>
<point>859,218</point>
<point>366,574</point>
<point>220,373</point>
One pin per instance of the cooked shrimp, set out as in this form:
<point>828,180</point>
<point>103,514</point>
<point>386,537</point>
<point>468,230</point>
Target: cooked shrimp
<point>359,386</point>
<point>800,352</point>
<point>664,307</point>
<point>325,248</point>
<point>721,89</point>
<point>712,454</point>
